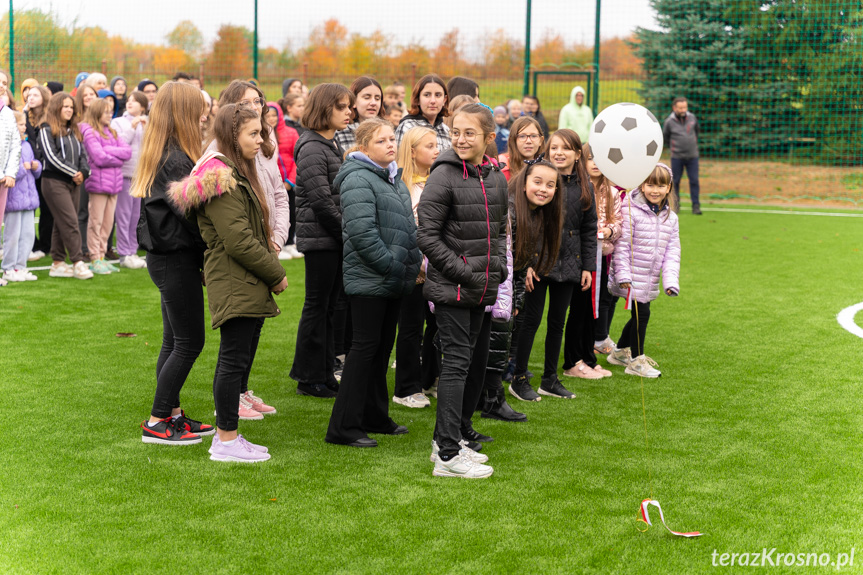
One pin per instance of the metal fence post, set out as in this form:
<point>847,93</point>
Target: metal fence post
<point>596,47</point>
<point>11,47</point>
<point>255,47</point>
<point>527,53</point>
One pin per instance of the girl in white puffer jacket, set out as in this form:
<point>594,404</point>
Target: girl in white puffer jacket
<point>649,245</point>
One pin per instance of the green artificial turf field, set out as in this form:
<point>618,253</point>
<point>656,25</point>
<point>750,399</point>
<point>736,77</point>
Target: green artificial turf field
<point>755,437</point>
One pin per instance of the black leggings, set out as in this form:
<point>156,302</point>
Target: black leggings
<point>579,331</point>
<point>315,351</point>
<point>232,369</point>
<point>560,295</point>
<point>178,277</point>
<point>630,336</point>
<point>292,204</point>
<point>607,303</point>
<point>409,345</point>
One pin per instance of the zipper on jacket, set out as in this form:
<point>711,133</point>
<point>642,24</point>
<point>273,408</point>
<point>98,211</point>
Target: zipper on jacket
<point>488,232</point>
<point>458,295</point>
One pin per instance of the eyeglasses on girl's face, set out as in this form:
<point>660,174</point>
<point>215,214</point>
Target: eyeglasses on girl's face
<point>525,137</point>
<point>468,135</point>
<point>257,102</point>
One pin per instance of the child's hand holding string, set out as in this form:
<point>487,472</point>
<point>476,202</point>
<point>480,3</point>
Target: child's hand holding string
<point>586,280</point>
<point>625,285</point>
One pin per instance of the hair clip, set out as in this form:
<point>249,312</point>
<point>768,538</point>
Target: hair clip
<point>536,160</point>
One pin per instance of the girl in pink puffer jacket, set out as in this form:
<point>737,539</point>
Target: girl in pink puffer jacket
<point>107,153</point>
<point>649,245</point>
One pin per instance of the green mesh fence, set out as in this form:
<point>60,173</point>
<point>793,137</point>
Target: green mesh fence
<point>776,84</point>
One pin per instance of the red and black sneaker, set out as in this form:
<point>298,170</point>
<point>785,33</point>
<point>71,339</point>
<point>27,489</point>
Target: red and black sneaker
<point>193,426</point>
<point>167,432</point>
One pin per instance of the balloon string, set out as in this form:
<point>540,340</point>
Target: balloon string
<point>638,340</point>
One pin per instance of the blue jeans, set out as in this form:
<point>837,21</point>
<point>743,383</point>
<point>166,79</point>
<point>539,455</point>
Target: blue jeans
<point>691,165</point>
<point>18,238</point>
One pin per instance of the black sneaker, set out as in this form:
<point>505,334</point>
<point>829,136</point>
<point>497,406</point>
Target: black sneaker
<point>333,384</point>
<point>476,446</point>
<point>696,210</point>
<point>167,432</point>
<point>193,426</point>
<point>472,434</point>
<point>520,389</point>
<point>315,390</point>
<point>552,387</point>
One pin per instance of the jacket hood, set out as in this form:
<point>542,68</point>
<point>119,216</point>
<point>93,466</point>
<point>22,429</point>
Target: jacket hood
<point>577,90</point>
<point>278,110</point>
<point>287,84</point>
<point>116,79</point>
<point>312,136</point>
<point>146,82</point>
<point>104,93</point>
<point>359,161</point>
<point>449,157</point>
<point>80,78</point>
<point>211,177</point>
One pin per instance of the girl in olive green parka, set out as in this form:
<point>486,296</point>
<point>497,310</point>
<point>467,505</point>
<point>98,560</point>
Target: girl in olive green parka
<point>241,269</point>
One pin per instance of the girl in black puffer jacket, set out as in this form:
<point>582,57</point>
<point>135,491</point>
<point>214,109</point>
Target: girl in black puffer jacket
<point>462,232</point>
<point>319,236</point>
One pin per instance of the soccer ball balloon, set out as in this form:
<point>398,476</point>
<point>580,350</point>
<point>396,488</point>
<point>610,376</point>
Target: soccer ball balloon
<point>626,142</point>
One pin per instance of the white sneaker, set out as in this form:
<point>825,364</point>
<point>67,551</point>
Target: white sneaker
<point>13,276</point>
<point>416,400</point>
<point>37,255</point>
<point>620,356</point>
<point>61,270</point>
<point>141,260</point>
<point>132,262</point>
<point>643,366</point>
<point>27,275</point>
<point>285,254</point>
<point>474,456</point>
<point>295,253</point>
<point>81,271</point>
<point>461,466</point>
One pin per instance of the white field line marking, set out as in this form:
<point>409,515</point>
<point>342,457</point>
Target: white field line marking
<point>846,319</point>
<point>783,213</point>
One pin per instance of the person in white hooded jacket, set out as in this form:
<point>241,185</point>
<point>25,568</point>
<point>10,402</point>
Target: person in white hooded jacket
<point>576,115</point>
<point>10,146</point>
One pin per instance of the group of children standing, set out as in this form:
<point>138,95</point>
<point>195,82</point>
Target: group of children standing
<point>74,156</point>
<point>417,223</point>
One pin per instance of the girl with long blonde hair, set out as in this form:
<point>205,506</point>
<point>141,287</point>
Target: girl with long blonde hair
<point>175,255</point>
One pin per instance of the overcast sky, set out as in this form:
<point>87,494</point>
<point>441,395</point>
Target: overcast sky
<point>289,20</point>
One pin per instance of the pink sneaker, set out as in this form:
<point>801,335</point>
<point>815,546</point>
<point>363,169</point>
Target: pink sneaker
<point>241,451</point>
<point>247,411</point>
<point>583,371</point>
<point>258,403</point>
<point>602,371</point>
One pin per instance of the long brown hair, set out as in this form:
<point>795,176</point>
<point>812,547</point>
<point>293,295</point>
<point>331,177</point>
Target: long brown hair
<point>573,142</point>
<point>233,94</point>
<point>418,88</point>
<point>38,116</point>
<point>175,120</point>
<point>602,188</point>
<point>93,116</point>
<point>226,129</point>
<point>516,161</point>
<point>59,128</point>
<point>544,223</point>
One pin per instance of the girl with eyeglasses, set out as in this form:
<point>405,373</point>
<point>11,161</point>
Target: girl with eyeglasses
<point>526,142</point>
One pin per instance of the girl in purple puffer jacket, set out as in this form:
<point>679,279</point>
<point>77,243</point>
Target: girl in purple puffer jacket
<point>648,246</point>
<point>21,204</point>
<point>106,152</point>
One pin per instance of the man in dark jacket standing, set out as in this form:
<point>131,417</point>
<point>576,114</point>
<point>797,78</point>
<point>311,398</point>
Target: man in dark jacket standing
<point>680,133</point>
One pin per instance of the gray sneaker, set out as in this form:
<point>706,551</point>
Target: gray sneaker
<point>620,356</point>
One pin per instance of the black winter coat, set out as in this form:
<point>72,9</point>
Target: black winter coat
<point>319,213</point>
<point>462,231</point>
<point>578,245</point>
<point>163,228</point>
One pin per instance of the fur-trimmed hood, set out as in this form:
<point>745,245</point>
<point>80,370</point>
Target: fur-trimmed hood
<point>211,177</point>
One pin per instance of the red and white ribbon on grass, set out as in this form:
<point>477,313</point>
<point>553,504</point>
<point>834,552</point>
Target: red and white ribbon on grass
<point>645,517</point>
